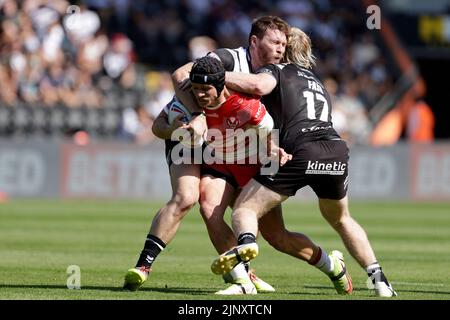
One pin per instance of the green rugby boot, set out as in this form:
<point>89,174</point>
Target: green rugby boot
<point>339,276</point>
<point>226,261</point>
<point>135,278</point>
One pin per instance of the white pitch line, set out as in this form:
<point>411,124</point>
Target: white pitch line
<point>424,284</point>
<point>421,284</point>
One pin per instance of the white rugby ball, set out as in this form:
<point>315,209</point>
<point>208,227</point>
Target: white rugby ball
<point>175,109</point>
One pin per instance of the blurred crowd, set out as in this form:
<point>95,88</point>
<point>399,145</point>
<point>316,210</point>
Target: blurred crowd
<point>48,58</point>
<point>84,54</point>
<point>350,61</point>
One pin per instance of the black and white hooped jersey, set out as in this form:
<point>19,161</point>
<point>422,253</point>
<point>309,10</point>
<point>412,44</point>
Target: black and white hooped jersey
<point>299,105</point>
<point>237,60</point>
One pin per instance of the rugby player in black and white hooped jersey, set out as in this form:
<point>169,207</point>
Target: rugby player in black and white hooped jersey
<point>301,109</point>
<point>267,45</point>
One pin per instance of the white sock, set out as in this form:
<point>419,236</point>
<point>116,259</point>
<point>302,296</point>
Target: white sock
<point>374,272</point>
<point>239,272</point>
<point>325,264</point>
<point>371,268</point>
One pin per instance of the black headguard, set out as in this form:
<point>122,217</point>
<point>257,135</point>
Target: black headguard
<point>209,70</point>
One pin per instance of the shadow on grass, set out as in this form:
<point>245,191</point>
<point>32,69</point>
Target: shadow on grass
<point>180,290</point>
<point>172,290</point>
<point>398,291</point>
<point>327,290</point>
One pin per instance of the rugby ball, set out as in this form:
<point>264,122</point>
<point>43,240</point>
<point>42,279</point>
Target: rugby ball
<point>175,109</point>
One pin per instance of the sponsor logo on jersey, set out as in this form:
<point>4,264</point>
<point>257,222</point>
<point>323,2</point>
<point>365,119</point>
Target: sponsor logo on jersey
<point>232,122</point>
<point>316,128</point>
<point>331,168</point>
<point>260,109</point>
<point>304,75</point>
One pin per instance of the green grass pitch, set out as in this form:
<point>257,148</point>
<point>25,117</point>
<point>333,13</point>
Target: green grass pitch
<point>39,239</point>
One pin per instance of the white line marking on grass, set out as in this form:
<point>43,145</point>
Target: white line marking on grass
<point>424,284</point>
<point>421,284</point>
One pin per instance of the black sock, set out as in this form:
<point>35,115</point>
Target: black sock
<point>245,238</point>
<point>153,246</point>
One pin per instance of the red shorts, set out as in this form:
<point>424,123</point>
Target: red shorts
<point>240,173</point>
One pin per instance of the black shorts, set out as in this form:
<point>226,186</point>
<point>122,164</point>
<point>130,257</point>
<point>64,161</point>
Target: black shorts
<point>322,164</point>
<point>176,153</point>
<point>208,170</point>
<point>168,151</point>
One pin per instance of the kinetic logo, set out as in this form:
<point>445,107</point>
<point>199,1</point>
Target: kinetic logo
<point>334,169</point>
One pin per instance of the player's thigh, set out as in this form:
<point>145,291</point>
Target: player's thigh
<point>215,195</point>
<point>254,196</point>
<point>185,179</point>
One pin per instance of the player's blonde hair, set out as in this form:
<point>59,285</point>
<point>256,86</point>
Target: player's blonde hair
<point>298,49</point>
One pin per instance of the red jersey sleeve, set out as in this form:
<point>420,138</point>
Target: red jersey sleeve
<point>258,111</point>
<point>251,109</point>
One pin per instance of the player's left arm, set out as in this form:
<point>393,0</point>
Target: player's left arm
<point>265,128</point>
<point>262,121</point>
<point>258,84</point>
<point>161,127</point>
<point>182,87</point>
<point>181,74</point>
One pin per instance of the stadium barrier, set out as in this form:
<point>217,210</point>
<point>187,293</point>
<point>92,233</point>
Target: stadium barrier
<point>35,169</point>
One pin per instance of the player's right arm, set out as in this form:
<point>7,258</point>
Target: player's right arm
<point>258,84</point>
<point>161,127</point>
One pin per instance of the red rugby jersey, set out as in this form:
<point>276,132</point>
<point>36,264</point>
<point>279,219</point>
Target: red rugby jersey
<point>229,124</point>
